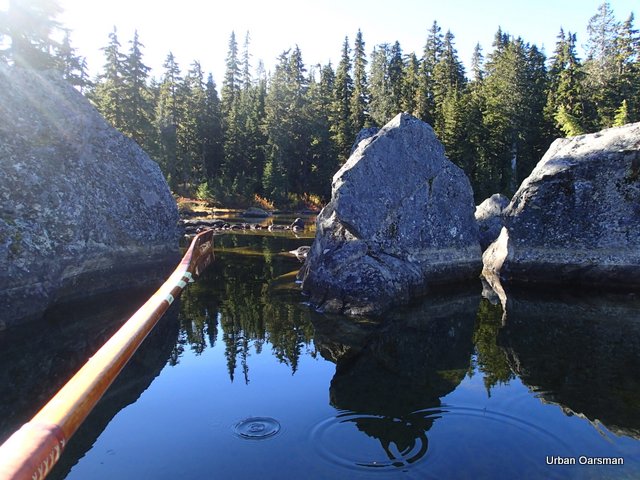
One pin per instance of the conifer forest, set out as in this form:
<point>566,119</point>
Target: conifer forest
<point>279,136</point>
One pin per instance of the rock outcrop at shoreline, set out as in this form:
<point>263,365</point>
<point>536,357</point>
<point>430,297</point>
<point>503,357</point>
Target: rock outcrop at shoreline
<point>576,219</point>
<point>489,217</point>
<point>400,220</point>
<point>83,209</point>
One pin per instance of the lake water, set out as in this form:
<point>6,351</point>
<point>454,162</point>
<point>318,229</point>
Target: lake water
<point>242,380</point>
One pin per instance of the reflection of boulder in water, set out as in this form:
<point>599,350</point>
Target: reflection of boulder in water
<point>390,371</point>
<point>38,358</point>
<point>582,353</point>
<point>134,379</point>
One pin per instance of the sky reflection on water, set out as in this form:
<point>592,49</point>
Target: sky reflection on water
<point>454,387</point>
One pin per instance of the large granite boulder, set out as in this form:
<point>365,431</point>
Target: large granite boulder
<point>400,220</point>
<point>83,209</point>
<point>489,217</point>
<point>576,219</point>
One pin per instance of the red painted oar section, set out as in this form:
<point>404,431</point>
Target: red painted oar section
<point>32,451</point>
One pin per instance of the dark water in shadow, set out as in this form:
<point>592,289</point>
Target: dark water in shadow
<point>453,387</point>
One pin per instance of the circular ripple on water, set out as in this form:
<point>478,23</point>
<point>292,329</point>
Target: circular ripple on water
<point>371,442</point>
<point>256,428</point>
<point>434,441</point>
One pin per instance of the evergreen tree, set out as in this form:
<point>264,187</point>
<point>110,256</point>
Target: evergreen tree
<point>288,164</point>
<point>600,65</point>
<point>396,78</point>
<point>274,182</point>
<point>167,117</point>
<point>191,131</point>
<point>30,25</point>
<point>341,124</point>
<point>411,83</point>
<point>628,70</point>
<point>321,149</point>
<point>137,106</point>
<point>246,64</point>
<point>514,96</point>
<point>72,67</point>
<point>213,153</point>
<point>360,95</point>
<point>425,102</point>
<point>477,63</point>
<point>231,85</point>
<point>109,95</point>
<point>448,81</point>
<point>622,115</point>
<point>380,106</point>
<point>253,104</point>
<point>565,106</point>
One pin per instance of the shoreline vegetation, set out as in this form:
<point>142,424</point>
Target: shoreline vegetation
<point>275,140</point>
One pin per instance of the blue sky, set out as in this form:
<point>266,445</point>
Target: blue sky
<point>194,29</point>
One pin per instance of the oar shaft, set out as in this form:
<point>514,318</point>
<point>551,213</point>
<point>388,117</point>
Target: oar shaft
<point>32,451</point>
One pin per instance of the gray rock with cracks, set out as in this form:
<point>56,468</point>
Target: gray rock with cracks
<point>83,209</point>
<point>400,220</point>
<point>489,217</point>
<point>576,219</point>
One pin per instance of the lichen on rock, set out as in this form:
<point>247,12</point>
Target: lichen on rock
<point>82,208</point>
<point>400,219</point>
<point>576,219</point>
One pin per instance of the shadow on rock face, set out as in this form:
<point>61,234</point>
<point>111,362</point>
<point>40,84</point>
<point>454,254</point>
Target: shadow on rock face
<point>389,373</point>
<point>580,352</point>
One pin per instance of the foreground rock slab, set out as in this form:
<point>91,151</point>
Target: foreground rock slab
<point>576,219</point>
<point>83,209</point>
<point>400,220</point>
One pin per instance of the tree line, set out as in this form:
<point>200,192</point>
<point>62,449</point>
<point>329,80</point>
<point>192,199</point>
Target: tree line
<point>280,136</point>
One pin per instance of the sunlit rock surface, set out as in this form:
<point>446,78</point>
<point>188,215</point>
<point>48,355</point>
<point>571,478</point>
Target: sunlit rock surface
<point>489,217</point>
<point>400,220</point>
<point>576,218</point>
<point>82,208</point>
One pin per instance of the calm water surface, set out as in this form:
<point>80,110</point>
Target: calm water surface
<point>242,380</point>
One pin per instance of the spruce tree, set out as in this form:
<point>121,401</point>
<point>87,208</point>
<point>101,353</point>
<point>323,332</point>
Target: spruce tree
<point>191,132</point>
<point>30,25</point>
<point>600,65</point>
<point>109,95</point>
<point>342,126</point>
<point>380,106</point>
<point>72,67</point>
<point>448,81</point>
<point>213,153</point>
<point>565,106</point>
<point>360,95</point>
<point>231,84</point>
<point>396,78</point>
<point>514,94</point>
<point>477,64</point>
<point>627,61</point>
<point>167,117</point>
<point>321,148</point>
<point>425,103</point>
<point>138,109</point>
<point>410,84</point>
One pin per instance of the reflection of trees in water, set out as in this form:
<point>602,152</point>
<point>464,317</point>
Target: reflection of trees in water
<point>234,295</point>
<point>491,359</point>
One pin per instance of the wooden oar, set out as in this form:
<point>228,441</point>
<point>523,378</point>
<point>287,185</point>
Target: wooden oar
<point>32,451</point>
